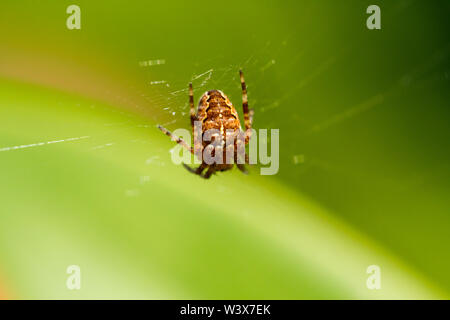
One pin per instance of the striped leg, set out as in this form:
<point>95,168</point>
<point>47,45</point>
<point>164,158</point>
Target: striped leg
<point>197,171</point>
<point>191,105</point>
<point>176,139</point>
<point>200,169</point>
<point>242,168</point>
<point>248,114</point>
<point>208,173</point>
<point>198,148</point>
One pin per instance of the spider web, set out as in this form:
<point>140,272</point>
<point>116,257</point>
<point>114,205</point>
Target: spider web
<point>171,96</point>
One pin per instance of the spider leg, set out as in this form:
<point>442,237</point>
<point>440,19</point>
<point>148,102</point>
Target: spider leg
<point>176,139</point>
<point>251,112</point>
<point>197,171</point>
<point>240,152</point>
<point>242,168</point>
<point>200,169</point>
<point>197,144</point>
<point>191,106</point>
<point>208,173</point>
<point>248,114</point>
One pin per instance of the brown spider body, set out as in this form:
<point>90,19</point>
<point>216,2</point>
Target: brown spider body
<point>216,112</point>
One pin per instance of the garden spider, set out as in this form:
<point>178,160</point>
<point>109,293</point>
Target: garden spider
<point>215,111</point>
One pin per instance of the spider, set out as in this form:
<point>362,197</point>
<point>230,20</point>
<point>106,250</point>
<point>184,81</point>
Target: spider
<point>215,111</point>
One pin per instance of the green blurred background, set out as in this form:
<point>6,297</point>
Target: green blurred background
<point>86,178</point>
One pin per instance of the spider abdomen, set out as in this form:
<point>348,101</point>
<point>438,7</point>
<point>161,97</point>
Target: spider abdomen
<point>215,111</point>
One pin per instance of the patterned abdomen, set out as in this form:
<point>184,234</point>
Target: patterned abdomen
<point>215,111</point>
